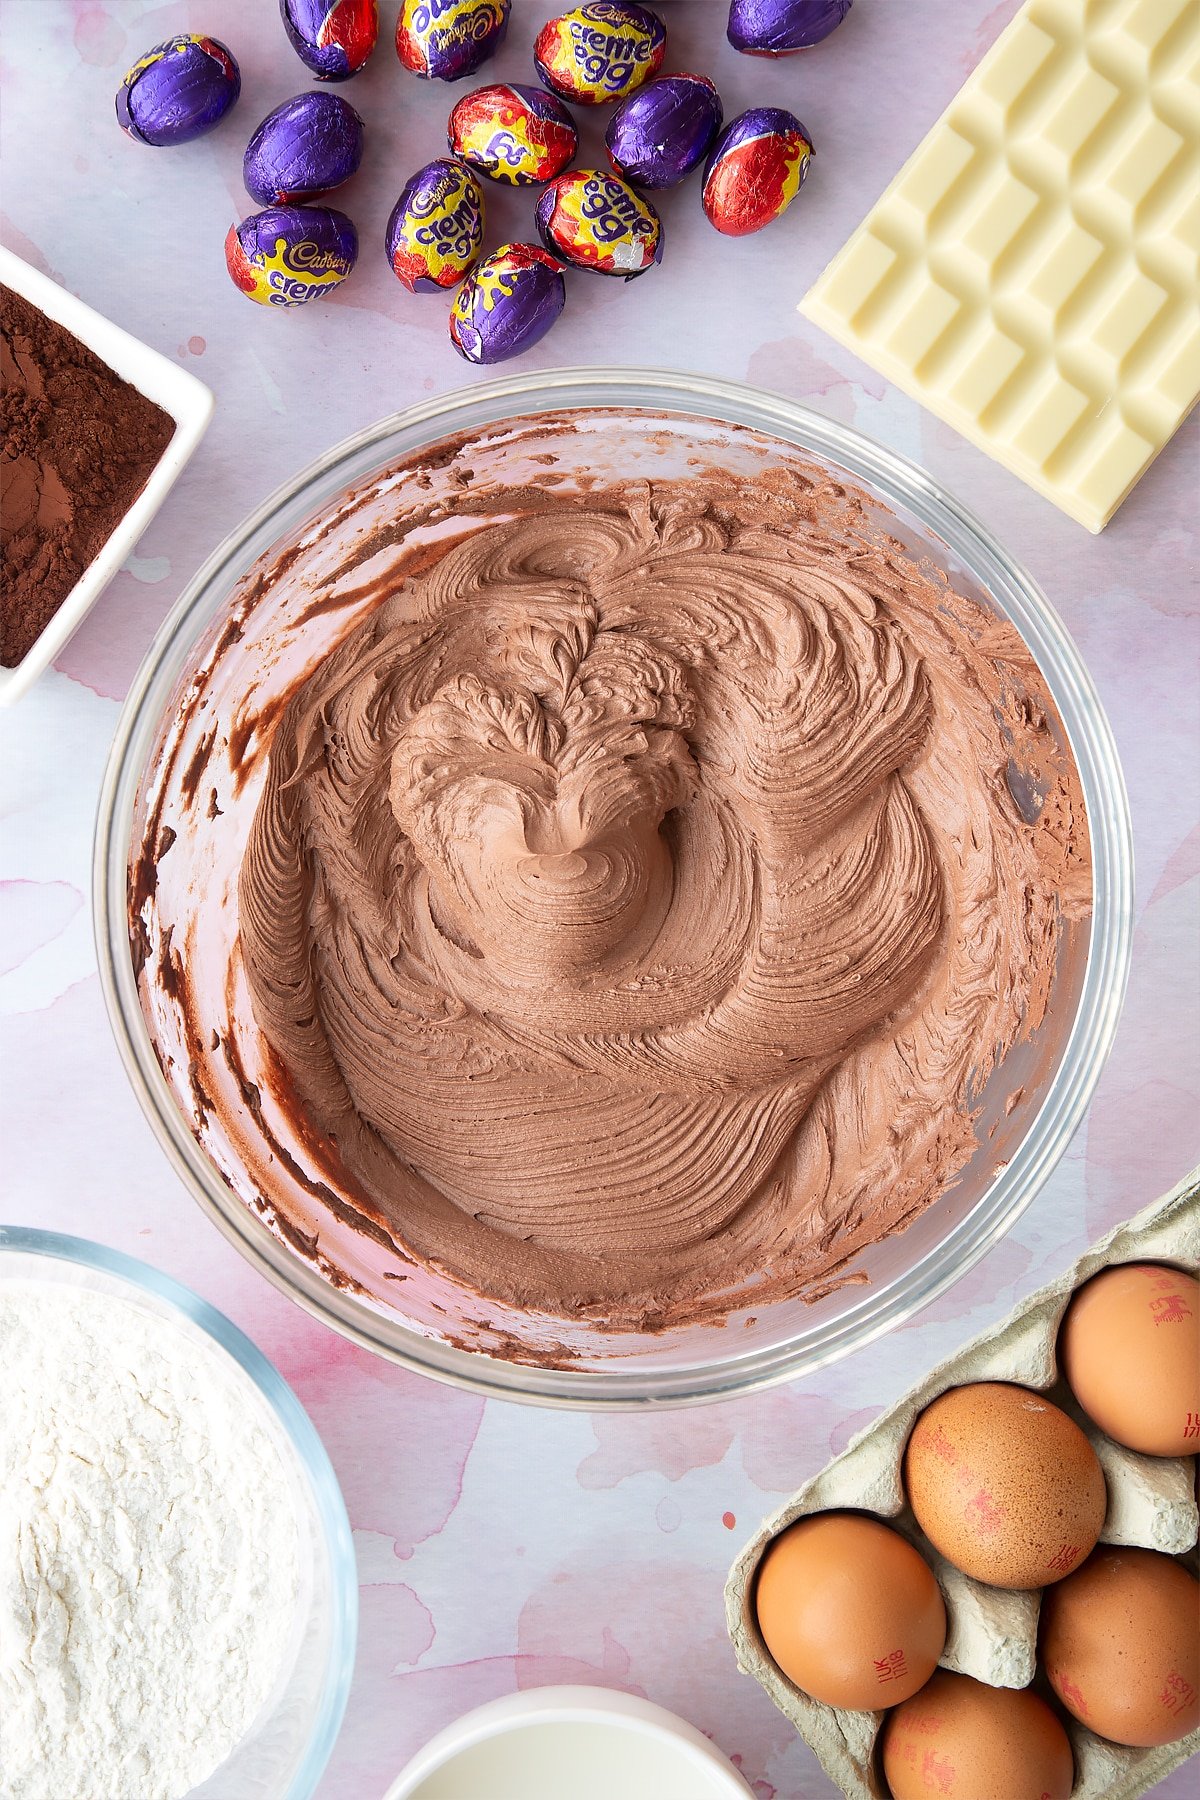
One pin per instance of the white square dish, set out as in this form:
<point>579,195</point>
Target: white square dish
<point>188,402</point>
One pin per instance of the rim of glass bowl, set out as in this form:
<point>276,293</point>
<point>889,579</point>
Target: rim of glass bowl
<point>895,479</point>
<point>304,1438</point>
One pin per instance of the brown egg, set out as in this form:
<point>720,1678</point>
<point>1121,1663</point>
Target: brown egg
<point>1004,1485</point>
<point>1130,1348</point>
<point>1120,1642</point>
<point>962,1740</point>
<point>850,1611</point>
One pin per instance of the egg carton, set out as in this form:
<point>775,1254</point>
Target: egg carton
<point>992,1632</point>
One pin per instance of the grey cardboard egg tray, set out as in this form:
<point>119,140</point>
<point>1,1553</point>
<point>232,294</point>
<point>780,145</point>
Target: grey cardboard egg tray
<point>992,1632</point>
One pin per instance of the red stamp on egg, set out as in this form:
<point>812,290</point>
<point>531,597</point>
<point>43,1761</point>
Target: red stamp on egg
<point>985,1513</point>
<point>1070,1692</point>
<point>1177,1695</point>
<point>939,1445</point>
<point>938,1772</point>
<point>1172,1309</point>
<point>1064,1558</point>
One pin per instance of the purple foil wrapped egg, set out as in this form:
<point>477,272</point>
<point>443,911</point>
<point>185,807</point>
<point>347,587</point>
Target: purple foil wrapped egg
<point>445,40</point>
<point>594,220</point>
<point>659,134</point>
<point>509,301</point>
<point>779,27</point>
<point>307,146</point>
<point>178,91</point>
<point>435,233</point>
<point>288,255</point>
<point>333,38</point>
<point>755,170</point>
<point>513,133</point>
<point>600,52</point>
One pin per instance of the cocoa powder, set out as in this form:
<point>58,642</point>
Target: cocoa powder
<point>79,445</point>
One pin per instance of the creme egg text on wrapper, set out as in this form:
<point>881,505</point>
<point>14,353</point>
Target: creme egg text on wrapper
<point>1129,1347</point>
<point>509,301</point>
<point>513,133</point>
<point>850,1611</point>
<point>178,91</point>
<point>600,52</point>
<point>754,170</point>
<point>447,40</point>
<point>306,147</point>
<point>1120,1643</point>
<point>333,38</point>
<point>289,255</point>
<point>435,232</point>
<point>1004,1484</point>
<point>596,221</point>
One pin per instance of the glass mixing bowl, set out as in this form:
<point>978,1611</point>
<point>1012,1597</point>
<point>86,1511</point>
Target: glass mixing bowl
<point>286,1749</point>
<point>219,666</point>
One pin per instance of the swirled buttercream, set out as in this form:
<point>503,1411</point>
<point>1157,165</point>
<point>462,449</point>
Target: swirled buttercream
<point>638,896</point>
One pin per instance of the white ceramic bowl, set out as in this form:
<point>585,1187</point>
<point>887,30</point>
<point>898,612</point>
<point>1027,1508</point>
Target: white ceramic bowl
<point>188,402</point>
<point>678,1759</point>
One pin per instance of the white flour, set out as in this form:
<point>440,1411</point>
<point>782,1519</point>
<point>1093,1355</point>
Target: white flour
<point>149,1550</point>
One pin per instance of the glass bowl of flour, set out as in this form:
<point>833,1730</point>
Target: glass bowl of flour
<point>178,1602</point>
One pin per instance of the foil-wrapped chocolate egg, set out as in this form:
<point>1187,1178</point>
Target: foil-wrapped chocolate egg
<point>659,134</point>
<point>435,233</point>
<point>445,40</point>
<point>333,38</point>
<point>513,133</point>
<point>288,255</point>
<point>509,301</point>
<point>307,146</point>
<point>779,27</point>
<point>755,170</point>
<point>594,220</point>
<point>600,52</point>
<point>178,91</point>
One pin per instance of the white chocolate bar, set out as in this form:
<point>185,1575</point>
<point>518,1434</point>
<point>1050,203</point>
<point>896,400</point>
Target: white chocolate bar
<point>1032,275</point>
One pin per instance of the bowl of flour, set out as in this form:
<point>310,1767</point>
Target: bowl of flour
<point>178,1605</point>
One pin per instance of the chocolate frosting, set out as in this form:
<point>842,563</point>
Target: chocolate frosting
<point>639,896</point>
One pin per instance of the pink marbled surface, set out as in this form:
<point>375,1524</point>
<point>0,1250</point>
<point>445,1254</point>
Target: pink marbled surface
<point>502,1547</point>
